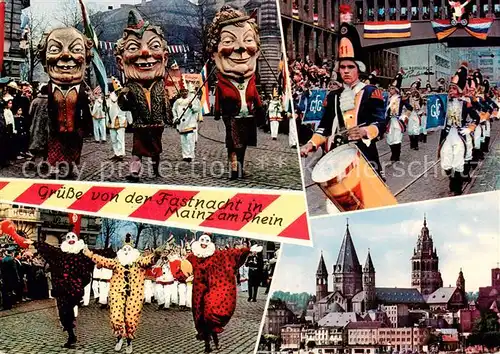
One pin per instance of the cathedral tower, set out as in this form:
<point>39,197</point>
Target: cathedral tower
<point>425,274</point>
<point>347,272</point>
<point>369,283</point>
<point>321,279</point>
<point>461,281</point>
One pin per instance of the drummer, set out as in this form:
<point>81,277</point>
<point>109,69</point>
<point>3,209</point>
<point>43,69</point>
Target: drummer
<point>356,106</point>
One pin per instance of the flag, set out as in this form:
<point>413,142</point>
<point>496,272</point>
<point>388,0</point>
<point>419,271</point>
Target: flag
<point>99,69</point>
<point>387,29</point>
<point>205,102</point>
<point>76,221</point>
<point>477,27</point>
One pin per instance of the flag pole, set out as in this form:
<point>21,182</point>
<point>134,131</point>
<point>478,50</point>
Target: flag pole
<point>199,89</point>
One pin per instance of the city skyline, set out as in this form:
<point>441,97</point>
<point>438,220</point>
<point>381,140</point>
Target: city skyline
<point>460,245</point>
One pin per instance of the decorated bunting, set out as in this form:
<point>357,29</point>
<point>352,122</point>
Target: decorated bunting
<point>387,29</point>
<point>171,49</point>
<point>263,214</point>
<point>476,27</point>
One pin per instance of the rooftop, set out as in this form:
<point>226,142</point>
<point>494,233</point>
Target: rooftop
<point>399,296</point>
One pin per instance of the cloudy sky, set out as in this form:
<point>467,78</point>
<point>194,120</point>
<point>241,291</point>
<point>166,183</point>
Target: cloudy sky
<point>465,230</point>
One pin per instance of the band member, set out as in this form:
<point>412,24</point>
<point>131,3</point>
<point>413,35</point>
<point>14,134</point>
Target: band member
<point>127,288</point>
<point>489,107</point>
<point>274,114</point>
<point>142,54</point>
<point>104,287</point>
<point>456,141</point>
<point>99,117</point>
<point>415,86</point>
<point>372,79</point>
<point>414,120</point>
<point>397,119</point>
<point>355,106</point>
<point>186,112</point>
<point>423,121</point>
<point>65,54</point>
<point>234,43</point>
<point>214,287</point>
<point>117,122</point>
<point>165,287</point>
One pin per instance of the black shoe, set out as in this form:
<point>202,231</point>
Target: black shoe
<point>134,178</point>
<point>254,300</point>
<point>249,299</point>
<point>234,175</point>
<point>187,159</point>
<point>275,138</point>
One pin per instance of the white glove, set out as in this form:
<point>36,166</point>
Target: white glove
<point>347,100</point>
<point>465,131</point>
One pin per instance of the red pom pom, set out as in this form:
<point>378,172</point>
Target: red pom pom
<point>345,9</point>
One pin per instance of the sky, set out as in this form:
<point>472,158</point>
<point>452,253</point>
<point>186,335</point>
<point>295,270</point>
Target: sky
<point>465,230</point>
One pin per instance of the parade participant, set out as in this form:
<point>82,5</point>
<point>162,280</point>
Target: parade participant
<point>489,106</point>
<point>355,106</point>
<point>214,287</point>
<point>397,119</point>
<point>65,54</point>
<point>149,282</point>
<point>234,44</point>
<point>455,141</point>
<point>414,120</point>
<point>415,86</point>
<point>104,286</point>
<point>96,280</point>
<point>165,287</point>
<point>70,272</point>
<point>428,88</point>
<point>423,121</point>
<point>274,114</point>
<point>372,79</point>
<point>255,264</point>
<point>174,260</point>
<point>99,116</point>
<point>117,122</point>
<point>127,288</point>
<point>142,55</point>
<point>186,111</point>
<point>470,95</point>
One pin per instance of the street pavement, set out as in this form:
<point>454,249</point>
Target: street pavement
<point>33,328</point>
<point>272,164</point>
<point>418,176</point>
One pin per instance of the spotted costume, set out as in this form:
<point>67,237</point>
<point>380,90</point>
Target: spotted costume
<point>127,292</point>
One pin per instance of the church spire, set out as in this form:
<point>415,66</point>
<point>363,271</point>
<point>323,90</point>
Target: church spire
<point>369,268</point>
<point>322,270</point>
<point>425,220</point>
<point>347,260</point>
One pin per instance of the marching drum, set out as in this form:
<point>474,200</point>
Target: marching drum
<point>186,267</point>
<point>350,181</point>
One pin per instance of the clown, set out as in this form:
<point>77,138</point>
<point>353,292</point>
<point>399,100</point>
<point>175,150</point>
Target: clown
<point>234,43</point>
<point>275,117</point>
<point>71,272</point>
<point>458,9</point>
<point>65,54</point>
<point>214,287</point>
<point>126,296</point>
<point>142,55</point>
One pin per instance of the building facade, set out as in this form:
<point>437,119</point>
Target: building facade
<point>278,315</point>
<point>13,55</point>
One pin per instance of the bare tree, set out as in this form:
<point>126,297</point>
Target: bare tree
<point>109,229</point>
<point>36,28</point>
<point>140,229</point>
<point>71,16</point>
<point>152,235</point>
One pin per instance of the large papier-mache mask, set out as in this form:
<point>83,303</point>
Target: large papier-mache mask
<point>142,51</point>
<point>234,43</point>
<point>65,54</point>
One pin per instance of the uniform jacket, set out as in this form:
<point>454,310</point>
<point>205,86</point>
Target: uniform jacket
<point>370,111</point>
<point>146,113</point>
<point>468,116</point>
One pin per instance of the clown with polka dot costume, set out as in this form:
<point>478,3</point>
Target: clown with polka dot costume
<point>214,287</point>
<point>126,288</point>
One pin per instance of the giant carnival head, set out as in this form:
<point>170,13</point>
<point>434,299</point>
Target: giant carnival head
<point>204,247</point>
<point>72,243</point>
<point>142,51</point>
<point>65,54</point>
<point>128,254</point>
<point>234,43</point>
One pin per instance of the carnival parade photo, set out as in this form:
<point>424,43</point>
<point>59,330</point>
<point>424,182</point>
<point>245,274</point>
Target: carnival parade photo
<point>178,93</point>
<point>397,101</point>
<point>109,285</point>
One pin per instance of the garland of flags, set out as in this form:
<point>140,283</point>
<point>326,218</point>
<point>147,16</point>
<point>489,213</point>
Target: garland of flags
<point>108,47</point>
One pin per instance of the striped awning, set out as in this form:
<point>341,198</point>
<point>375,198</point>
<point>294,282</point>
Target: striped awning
<point>171,49</point>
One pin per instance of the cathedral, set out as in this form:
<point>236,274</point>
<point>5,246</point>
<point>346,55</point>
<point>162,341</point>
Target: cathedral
<point>354,289</point>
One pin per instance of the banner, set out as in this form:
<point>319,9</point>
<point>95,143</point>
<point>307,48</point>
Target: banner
<point>476,27</point>
<point>436,110</point>
<point>193,79</point>
<point>312,106</point>
<point>270,215</point>
<point>387,29</point>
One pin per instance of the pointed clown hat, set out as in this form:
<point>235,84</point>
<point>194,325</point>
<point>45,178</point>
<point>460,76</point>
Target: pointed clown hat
<point>460,78</point>
<point>117,86</point>
<point>372,78</point>
<point>128,240</point>
<point>349,45</point>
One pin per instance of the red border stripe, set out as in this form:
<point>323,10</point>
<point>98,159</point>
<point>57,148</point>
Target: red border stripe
<point>36,195</point>
<point>153,210</point>
<point>245,199</point>
<point>92,200</point>
<point>297,230</point>
<point>3,184</point>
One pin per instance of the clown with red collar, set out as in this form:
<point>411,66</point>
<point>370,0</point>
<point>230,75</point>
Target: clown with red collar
<point>214,287</point>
